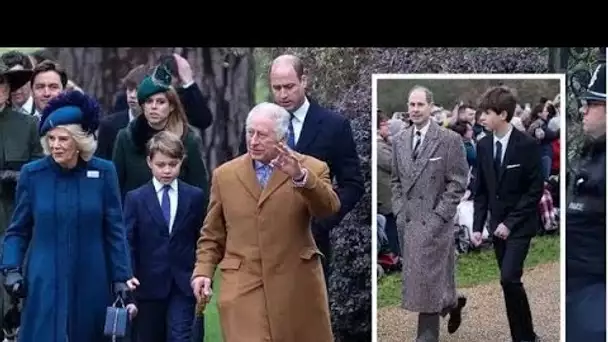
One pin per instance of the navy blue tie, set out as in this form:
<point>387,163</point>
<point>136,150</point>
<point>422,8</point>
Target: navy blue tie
<point>291,140</point>
<point>166,204</point>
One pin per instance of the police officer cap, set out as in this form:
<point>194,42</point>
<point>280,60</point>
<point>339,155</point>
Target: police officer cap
<point>597,86</point>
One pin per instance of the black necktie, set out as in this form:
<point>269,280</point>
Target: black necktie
<point>498,158</point>
<point>417,144</point>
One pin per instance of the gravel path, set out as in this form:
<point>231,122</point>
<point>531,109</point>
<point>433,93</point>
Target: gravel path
<point>484,317</point>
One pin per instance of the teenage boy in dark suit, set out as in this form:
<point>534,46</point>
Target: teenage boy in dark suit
<point>509,184</point>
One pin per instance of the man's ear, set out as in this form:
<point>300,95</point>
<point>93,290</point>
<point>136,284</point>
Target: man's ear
<point>304,81</point>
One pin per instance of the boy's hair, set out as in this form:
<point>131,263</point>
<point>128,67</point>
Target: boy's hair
<point>135,76</point>
<point>499,99</point>
<point>168,144</point>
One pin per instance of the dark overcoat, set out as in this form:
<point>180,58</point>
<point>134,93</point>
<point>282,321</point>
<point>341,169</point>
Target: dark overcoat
<point>72,222</point>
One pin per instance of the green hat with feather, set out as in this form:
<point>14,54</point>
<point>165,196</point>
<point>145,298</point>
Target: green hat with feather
<point>158,82</point>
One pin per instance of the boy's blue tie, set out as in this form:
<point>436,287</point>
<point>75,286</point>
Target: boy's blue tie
<point>166,204</point>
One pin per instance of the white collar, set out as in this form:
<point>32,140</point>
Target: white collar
<point>158,186</point>
<point>300,113</point>
<point>131,116</point>
<point>505,139</point>
<point>424,129</point>
<point>27,106</point>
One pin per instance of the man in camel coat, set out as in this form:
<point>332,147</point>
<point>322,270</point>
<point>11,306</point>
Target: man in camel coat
<point>428,180</point>
<point>257,231</point>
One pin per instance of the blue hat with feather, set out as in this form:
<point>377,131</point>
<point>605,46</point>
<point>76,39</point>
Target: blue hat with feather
<point>70,107</point>
<point>159,81</point>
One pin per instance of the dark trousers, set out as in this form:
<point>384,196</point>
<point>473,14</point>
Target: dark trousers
<point>394,240</point>
<point>428,327</point>
<point>511,254</point>
<point>166,320</point>
<point>585,310</point>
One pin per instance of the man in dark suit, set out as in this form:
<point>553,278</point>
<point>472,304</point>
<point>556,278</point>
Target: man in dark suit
<point>509,184</point>
<point>163,219</point>
<point>321,133</point>
<point>125,109</point>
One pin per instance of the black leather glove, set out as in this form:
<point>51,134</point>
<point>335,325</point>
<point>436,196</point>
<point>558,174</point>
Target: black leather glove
<point>14,284</point>
<point>120,289</point>
<point>9,176</point>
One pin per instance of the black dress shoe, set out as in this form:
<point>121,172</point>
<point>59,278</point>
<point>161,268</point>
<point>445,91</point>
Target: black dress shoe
<point>456,315</point>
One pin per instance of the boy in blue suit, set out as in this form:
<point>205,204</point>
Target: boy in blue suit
<point>163,218</point>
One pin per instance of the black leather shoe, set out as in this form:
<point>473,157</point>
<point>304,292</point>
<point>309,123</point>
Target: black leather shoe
<point>456,315</point>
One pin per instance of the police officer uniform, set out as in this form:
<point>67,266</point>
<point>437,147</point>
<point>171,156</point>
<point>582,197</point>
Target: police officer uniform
<point>586,234</point>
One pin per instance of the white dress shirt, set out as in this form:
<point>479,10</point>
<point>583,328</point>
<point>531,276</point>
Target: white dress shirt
<point>422,131</point>
<point>504,141</point>
<point>131,116</point>
<point>158,186</point>
<point>298,120</point>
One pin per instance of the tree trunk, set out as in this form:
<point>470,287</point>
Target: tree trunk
<point>226,77</point>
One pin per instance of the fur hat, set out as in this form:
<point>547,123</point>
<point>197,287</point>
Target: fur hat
<point>158,82</point>
<point>16,78</point>
<point>70,107</point>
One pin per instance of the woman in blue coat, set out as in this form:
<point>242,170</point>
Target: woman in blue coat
<point>68,213</point>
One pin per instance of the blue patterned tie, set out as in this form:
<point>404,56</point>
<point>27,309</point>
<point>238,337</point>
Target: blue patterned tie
<point>166,204</point>
<point>291,141</point>
<point>264,173</point>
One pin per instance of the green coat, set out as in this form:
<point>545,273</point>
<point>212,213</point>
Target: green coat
<point>129,157</point>
<point>19,144</point>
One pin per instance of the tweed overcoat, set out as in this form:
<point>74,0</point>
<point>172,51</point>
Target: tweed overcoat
<point>272,284</point>
<point>426,192</point>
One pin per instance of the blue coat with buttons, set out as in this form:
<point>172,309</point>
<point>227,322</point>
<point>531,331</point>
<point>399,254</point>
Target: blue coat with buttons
<point>71,221</point>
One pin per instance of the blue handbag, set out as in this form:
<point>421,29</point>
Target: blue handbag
<point>117,319</point>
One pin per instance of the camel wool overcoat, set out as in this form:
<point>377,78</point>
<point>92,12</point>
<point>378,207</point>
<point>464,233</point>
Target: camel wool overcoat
<point>272,284</point>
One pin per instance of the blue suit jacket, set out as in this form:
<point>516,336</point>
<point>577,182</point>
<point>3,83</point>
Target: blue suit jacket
<point>159,258</point>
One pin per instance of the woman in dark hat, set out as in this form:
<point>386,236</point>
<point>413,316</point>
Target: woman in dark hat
<point>586,223</point>
<point>162,110</point>
<point>68,214</point>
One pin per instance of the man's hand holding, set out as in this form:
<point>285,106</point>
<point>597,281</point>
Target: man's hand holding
<point>201,286</point>
<point>502,231</point>
<point>476,239</point>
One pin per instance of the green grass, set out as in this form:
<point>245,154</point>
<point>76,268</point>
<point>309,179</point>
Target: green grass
<point>474,269</point>
<point>213,331</point>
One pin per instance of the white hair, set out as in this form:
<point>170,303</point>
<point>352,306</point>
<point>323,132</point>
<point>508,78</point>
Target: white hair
<point>85,143</point>
<point>278,114</point>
